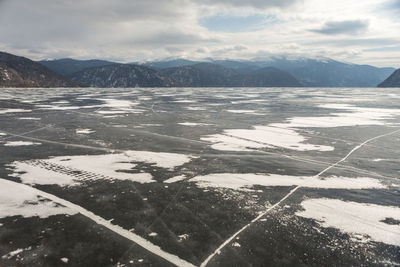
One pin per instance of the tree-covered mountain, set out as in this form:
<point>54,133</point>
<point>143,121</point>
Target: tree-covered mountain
<point>121,75</point>
<point>392,81</point>
<point>18,71</point>
<point>214,75</point>
<point>273,71</point>
<point>317,72</point>
<point>198,75</point>
<point>67,66</point>
<point>170,63</point>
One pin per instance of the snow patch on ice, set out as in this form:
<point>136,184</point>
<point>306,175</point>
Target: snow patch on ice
<point>241,111</point>
<point>175,179</point>
<point>29,174</point>
<point>193,124</point>
<point>355,218</point>
<point>262,137</point>
<point>183,237</point>
<point>245,181</point>
<point>84,131</point>
<point>24,201</point>
<point>117,106</point>
<point>195,108</point>
<point>29,118</point>
<point>185,101</point>
<point>14,110</point>
<point>355,116</point>
<point>71,170</point>
<point>21,143</point>
<point>287,136</point>
<point>228,143</point>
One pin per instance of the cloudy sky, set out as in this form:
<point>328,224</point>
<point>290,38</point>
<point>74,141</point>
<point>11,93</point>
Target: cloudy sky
<point>366,31</point>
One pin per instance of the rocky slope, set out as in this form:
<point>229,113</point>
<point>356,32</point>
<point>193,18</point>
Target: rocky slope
<point>392,81</point>
<point>18,71</point>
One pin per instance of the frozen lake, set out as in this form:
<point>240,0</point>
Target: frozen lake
<point>199,176</point>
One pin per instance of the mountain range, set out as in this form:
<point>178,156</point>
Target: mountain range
<point>309,72</point>
<point>271,72</point>
<point>278,71</point>
<point>392,81</point>
<point>18,71</point>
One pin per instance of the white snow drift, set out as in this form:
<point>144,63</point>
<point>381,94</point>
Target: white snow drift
<point>245,181</point>
<point>355,218</point>
<point>23,201</point>
<point>60,170</point>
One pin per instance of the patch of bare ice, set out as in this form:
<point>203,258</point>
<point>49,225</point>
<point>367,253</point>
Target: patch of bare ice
<point>355,218</point>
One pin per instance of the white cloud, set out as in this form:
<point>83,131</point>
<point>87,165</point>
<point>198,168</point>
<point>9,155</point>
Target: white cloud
<point>149,29</point>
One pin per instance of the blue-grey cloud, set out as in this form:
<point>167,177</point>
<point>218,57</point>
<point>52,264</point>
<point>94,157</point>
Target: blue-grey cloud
<point>343,27</point>
<point>393,4</point>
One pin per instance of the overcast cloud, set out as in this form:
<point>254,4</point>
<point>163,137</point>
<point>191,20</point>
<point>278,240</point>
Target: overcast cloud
<point>126,30</point>
<point>344,27</point>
